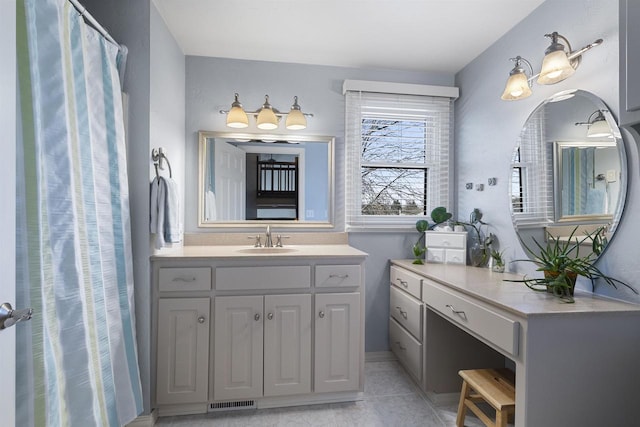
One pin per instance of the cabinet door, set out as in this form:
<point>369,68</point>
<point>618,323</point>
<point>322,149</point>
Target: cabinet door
<point>287,344</point>
<point>238,347</point>
<point>183,350</point>
<point>337,342</point>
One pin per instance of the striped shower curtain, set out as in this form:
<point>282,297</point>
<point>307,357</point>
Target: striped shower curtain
<point>77,357</point>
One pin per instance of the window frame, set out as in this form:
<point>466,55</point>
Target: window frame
<point>438,157</point>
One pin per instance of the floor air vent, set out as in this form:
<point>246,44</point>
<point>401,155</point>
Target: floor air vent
<point>232,406</point>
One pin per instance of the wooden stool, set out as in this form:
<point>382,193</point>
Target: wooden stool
<point>493,386</point>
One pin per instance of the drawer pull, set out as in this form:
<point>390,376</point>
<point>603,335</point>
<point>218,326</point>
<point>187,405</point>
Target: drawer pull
<point>270,316</point>
<point>201,319</point>
<point>458,312</point>
<point>338,276</point>
<point>321,315</point>
<point>402,312</point>
<point>400,346</point>
<point>402,282</point>
<point>257,317</point>
<point>184,279</point>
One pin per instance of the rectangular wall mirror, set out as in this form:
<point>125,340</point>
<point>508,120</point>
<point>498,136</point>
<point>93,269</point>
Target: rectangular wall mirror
<point>248,180</point>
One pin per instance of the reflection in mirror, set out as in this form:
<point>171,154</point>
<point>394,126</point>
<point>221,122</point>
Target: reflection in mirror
<point>564,175</point>
<point>248,179</point>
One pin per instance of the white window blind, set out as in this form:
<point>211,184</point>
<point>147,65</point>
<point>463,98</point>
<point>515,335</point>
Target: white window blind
<point>398,158</point>
<point>532,175</point>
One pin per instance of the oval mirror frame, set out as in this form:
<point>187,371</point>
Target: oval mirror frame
<point>544,197</point>
<point>264,140</point>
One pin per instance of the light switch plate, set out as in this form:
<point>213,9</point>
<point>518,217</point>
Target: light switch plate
<point>611,175</point>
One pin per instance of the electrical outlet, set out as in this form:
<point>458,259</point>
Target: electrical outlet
<point>611,175</point>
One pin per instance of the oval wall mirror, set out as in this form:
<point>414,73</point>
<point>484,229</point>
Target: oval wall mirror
<point>568,170</point>
<point>246,180</point>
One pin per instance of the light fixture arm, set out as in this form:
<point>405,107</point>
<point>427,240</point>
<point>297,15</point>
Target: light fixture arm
<point>519,69</point>
<point>599,115</point>
<point>266,104</point>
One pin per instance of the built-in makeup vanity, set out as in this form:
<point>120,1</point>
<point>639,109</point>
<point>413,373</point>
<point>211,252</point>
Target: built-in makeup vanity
<point>237,326</point>
<point>576,364</point>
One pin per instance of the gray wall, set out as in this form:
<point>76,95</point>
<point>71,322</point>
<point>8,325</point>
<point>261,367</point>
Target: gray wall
<point>211,83</point>
<point>487,127</point>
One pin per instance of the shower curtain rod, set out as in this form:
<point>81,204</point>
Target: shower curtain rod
<point>86,15</point>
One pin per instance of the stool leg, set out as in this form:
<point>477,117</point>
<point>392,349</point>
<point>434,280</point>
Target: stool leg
<point>501,418</point>
<point>462,408</point>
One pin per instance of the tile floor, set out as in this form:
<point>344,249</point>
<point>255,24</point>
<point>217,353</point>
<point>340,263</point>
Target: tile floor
<point>390,399</point>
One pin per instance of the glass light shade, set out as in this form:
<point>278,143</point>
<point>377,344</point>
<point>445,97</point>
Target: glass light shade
<point>555,68</point>
<point>237,118</point>
<point>296,120</point>
<point>517,87</point>
<point>267,119</point>
<point>599,129</point>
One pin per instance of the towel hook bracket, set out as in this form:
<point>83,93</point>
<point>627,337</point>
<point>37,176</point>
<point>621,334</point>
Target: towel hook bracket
<point>159,156</point>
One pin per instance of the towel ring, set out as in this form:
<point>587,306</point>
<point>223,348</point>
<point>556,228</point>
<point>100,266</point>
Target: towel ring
<point>157,155</point>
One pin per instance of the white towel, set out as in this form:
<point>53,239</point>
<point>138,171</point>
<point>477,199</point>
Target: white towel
<point>164,211</point>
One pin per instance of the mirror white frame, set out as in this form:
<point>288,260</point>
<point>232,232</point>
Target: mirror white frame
<point>535,209</point>
<point>203,139</point>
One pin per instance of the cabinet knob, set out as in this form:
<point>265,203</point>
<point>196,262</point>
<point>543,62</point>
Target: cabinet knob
<point>402,312</point>
<point>257,317</point>
<point>201,319</point>
<point>321,315</point>
<point>270,316</point>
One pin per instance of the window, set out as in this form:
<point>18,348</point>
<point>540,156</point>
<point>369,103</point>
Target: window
<point>397,157</point>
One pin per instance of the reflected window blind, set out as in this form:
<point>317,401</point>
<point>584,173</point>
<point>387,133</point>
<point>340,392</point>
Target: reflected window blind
<point>397,158</point>
<point>532,178</point>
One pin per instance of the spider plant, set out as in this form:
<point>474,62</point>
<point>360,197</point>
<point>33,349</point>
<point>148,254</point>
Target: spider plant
<point>561,262</point>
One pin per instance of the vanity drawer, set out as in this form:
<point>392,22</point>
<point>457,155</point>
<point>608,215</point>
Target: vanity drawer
<point>483,322</point>
<point>184,279</point>
<point>337,276</point>
<point>455,256</point>
<point>435,255</point>
<point>406,348</point>
<point>407,281</point>
<point>281,277</point>
<point>407,311</point>
<point>445,240</point>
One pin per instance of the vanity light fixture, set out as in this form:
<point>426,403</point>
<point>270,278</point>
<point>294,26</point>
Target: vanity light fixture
<point>518,86</point>
<point>267,117</point>
<point>558,64</point>
<point>597,126</point>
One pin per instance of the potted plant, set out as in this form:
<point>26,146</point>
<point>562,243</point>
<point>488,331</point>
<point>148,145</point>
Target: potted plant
<point>561,263</point>
<point>497,258</point>
<point>438,215</point>
<point>480,246</point>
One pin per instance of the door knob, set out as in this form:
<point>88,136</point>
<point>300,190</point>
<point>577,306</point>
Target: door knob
<point>9,316</point>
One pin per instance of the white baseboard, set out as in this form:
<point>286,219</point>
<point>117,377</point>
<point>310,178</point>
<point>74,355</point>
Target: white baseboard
<point>379,356</point>
<point>145,420</point>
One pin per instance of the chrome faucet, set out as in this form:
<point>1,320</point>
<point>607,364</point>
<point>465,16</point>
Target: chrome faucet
<point>268,243</point>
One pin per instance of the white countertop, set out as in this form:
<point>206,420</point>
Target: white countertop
<point>247,252</point>
<point>490,287</point>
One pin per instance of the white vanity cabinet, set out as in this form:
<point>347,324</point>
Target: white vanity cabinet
<point>240,330</point>
<point>183,350</point>
<point>262,343</point>
<point>337,344</point>
<point>564,355</point>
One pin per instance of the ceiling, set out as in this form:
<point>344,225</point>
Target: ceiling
<point>412,35</point>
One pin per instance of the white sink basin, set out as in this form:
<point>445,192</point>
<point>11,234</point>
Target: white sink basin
<point>271,251</point>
